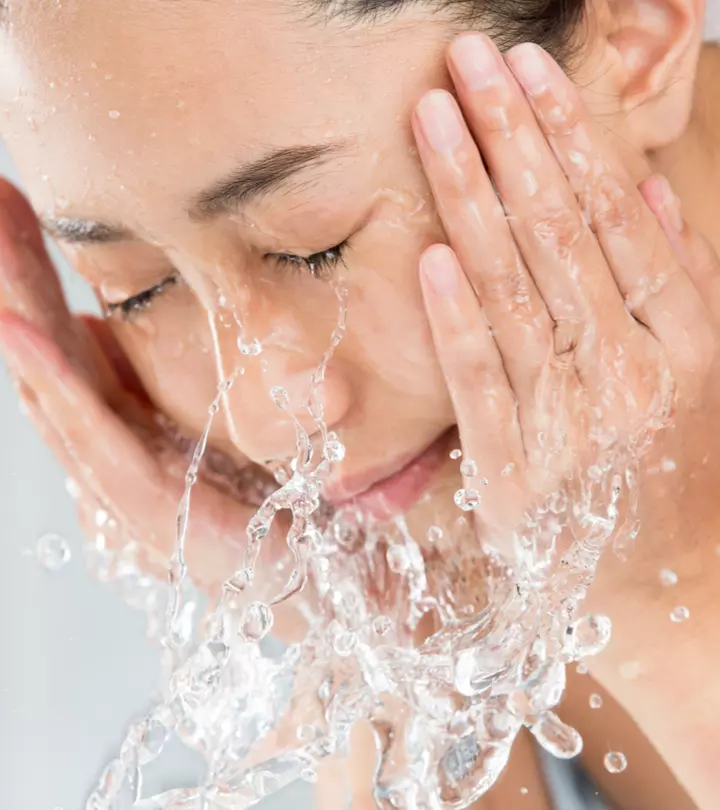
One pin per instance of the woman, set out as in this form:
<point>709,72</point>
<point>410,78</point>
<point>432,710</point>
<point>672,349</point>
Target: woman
<point>213,169</point>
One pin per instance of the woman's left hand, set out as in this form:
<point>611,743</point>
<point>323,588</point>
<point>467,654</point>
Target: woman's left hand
<point>574,313</point>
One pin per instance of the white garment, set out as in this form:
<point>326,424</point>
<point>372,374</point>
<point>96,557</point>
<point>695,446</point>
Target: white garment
<point>712,21</point>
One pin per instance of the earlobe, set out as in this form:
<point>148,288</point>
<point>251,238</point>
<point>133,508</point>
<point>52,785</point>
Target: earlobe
<point>656,44</point>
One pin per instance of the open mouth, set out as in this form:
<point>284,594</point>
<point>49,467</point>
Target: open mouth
<point>391,490</point>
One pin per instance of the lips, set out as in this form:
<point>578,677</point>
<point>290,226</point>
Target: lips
<point>384,492</point>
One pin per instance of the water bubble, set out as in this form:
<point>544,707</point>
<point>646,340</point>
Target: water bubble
<point>556,738</point>
<point>589,635</point>
<point>582,669</point>
<point>615,762</point>
<point>306,733</point>
<point>596,701</point>
<point>73,488</point>
<point>280,397</point>
<point>252,349</point>
<point>434,534</point>
<point>309,775</point>
<point>334,448</point>
<point>114,114</point>
<point>257,621</point>
<point>381,625</point>
<point>679,614</point>
<point>53,551</point>
<point>469,468</point>
<point>467,499</point>
<point>398,559</point>
<point>455,454</point>
<point>344,643</point>
<point>668,577</point>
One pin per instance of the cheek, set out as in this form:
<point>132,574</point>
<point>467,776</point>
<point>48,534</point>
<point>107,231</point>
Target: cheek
<point>172,353</point>
<point>386,314</point>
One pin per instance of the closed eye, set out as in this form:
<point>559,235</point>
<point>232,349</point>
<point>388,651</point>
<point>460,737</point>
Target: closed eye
<point>140,302</point>
<point>319,265</point>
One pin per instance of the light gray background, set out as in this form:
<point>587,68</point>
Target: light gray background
<point>75,667</point>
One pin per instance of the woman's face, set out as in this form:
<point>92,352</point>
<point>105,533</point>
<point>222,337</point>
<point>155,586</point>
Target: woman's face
<point>191,147</point>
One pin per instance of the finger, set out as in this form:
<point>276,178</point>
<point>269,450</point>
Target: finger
<point>484,403</point>
<point>692,249</point>
<point>29,284</point>
<point>558,247</point>
<point>654,286</point>
<point>475,223</point>
<point>104,453</point>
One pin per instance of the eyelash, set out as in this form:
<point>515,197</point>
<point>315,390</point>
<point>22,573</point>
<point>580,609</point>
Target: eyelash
<point>319,265</point>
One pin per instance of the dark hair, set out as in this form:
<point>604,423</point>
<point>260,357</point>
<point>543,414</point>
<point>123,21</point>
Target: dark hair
<point>554,24</point>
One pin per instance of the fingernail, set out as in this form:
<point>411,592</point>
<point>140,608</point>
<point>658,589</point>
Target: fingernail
<point>671,204</point>
<point>440,121</point>
<point>477,60</point>
<point>439,267</point>
<point>530,65</point>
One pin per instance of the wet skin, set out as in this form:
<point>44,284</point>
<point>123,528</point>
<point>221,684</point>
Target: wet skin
<point>233,262</point>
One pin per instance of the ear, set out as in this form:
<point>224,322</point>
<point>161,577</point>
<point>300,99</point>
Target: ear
<point>651,49</point>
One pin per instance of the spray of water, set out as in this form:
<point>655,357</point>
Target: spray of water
<point>446,710</point>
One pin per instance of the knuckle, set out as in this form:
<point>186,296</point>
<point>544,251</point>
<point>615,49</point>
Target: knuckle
<point>506,283</point>
<point>559,230</point>
<point>608,208</point>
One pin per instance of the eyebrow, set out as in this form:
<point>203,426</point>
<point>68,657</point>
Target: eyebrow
<point>269,174</point>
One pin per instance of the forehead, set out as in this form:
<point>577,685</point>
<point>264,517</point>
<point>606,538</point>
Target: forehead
<point>130,93</point>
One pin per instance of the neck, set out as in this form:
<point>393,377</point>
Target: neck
<point>692,163</point>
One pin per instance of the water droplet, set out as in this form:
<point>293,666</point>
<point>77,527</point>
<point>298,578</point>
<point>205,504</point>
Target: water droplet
<point>434,534</point>
<point>556,738</point>
<point>62,202</point>
<point>381,625</point>
<point>469,468</point>
<point>467,499</point>
<point>524,791</point>
<point>114,114</point>
<point>306,733</point>
<point>309,775</point>
<point>257,621</point>
<point>455,454</point>
<point>668,577</point>
<point>280,397</point>
<point>398,559</point>
<point>615,762</point>
<point>590,635</point>
<point>344,643</point>
<point>53,551</point>
<point>252,349</point>
<point>101,517</point>
<point>508,469</point>
<point>596,702</point>
<point>582,669</point>
<point>73,488</point>
<point>679,614</point>
<point>668,465</point>
<point>334,448</point>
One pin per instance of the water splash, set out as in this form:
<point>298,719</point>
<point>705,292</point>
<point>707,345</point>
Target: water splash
<point>445,711</point>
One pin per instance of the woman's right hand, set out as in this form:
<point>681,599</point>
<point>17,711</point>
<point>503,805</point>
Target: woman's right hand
<point>80,392</point>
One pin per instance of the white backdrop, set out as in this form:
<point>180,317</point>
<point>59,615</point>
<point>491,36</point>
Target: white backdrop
<point>74,664</point>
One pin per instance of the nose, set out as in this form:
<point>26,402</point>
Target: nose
<point>283,373</point>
